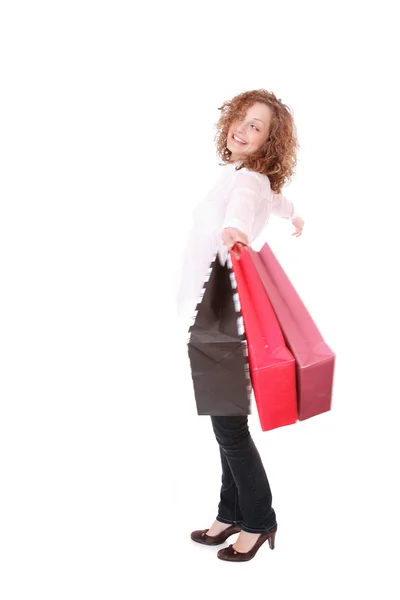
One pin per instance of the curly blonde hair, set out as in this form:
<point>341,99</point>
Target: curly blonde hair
<point>277,158</point>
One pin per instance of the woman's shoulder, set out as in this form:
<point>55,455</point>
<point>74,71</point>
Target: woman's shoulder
<point>252,179</point>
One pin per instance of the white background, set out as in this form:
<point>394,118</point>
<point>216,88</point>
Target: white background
<point>107,143</point>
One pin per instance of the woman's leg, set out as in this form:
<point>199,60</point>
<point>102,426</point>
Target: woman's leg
<point>228,507</point>
<point>251,483</point>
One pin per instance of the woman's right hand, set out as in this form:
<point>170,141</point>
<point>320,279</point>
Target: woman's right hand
<point>231,235</point>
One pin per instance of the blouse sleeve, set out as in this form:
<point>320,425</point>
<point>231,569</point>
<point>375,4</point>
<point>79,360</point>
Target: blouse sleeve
<point>282,207</point>
<point>242,203</point>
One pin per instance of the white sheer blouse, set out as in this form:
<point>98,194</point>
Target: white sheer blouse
<point>241,199</point>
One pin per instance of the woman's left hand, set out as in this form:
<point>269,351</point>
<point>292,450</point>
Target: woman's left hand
<point>299,224</point>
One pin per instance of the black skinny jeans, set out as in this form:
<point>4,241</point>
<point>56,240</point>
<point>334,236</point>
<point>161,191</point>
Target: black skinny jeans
<point>246,497</point>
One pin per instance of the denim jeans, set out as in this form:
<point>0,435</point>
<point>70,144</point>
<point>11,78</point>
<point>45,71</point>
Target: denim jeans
<point>246,497</point>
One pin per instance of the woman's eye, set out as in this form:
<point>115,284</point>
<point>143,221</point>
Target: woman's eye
<point>255,127</point>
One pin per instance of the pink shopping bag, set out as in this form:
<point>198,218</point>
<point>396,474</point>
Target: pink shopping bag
<point>314,358</point>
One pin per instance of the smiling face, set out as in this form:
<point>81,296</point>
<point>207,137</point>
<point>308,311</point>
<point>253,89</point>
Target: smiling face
<point>247,135</point>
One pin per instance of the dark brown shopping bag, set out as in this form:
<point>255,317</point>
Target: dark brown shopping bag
<point>217,347</point>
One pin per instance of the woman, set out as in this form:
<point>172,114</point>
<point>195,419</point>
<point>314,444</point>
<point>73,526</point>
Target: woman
<point>257,143</point>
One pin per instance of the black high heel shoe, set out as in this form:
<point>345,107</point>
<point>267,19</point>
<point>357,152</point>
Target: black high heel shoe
<point>200,535</point>
<point>230,553</point>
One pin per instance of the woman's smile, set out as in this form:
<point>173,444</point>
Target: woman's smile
<point>238,140</point>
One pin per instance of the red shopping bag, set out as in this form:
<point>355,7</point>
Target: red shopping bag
<point>272,366</point>
<point>314,358</point>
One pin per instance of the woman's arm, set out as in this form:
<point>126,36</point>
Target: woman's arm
<point>239,216</point>
<point>241,208</point>
<point>282,207</point>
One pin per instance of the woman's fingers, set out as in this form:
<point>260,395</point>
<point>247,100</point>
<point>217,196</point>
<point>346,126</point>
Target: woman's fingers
<point>237,247</point>
<point>230,241</point>
<point>227,237</point>
<point>240,238</point>
<point>298,224</point>
<point>231,235</point>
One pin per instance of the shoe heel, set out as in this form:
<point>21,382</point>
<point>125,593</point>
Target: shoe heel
<point>271,541</point>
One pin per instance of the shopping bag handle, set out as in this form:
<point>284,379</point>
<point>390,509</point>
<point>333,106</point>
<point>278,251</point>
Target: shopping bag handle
<point>237,249</point>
